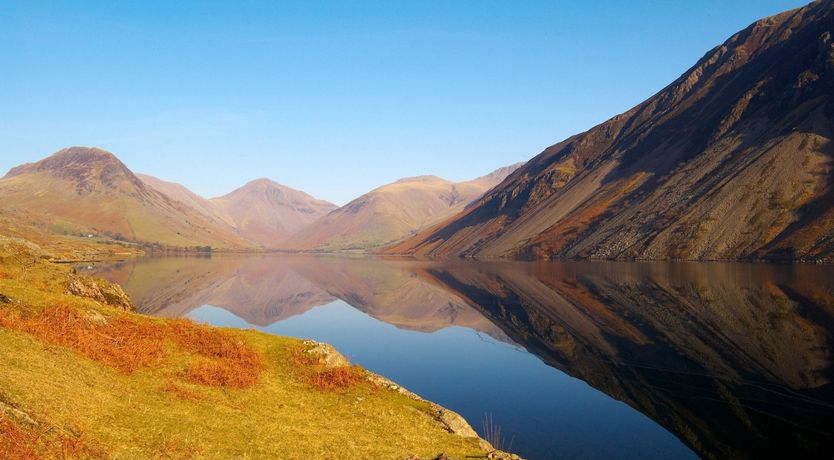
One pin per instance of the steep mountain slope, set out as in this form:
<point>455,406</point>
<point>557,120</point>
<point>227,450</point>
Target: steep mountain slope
<point>185,196</point>
<point>267,212</point>
<point>732,160</point>
<point>394,211</point>
<point>79,190</point>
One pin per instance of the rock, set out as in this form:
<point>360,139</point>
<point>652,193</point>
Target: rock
<point>453,422</point>
<point>99,290</point>
<point>499,455</point>
<point>326,354</point>
<point>7,410</point>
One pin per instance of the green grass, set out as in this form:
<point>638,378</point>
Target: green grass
<point>154,412</point>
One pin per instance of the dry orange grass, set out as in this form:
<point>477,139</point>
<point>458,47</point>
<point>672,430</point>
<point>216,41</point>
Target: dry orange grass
<point>122,343</point>
<point>337,379</point>
<point>334,379</point>
<point>30,443</point>
<point>17,443</point>
<point>128,344</point>
<point>231,362</point>
<point>182,392</point>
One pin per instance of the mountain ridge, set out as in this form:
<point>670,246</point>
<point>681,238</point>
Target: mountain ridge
<point>392,211</point>
<point>267,212</point>
<point>729,161</point>
<point>88,190</point>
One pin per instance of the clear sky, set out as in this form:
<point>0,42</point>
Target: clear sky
<point>336,98</point>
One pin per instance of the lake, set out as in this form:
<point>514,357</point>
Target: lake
<point>567,359</point>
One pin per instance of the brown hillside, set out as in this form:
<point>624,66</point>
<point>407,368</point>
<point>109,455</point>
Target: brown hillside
<point>80,190</point>
<point>393,212</point>
<point>732,160</point>
<point>268,213</point>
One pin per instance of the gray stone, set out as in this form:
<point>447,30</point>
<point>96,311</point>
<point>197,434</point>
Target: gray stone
<point>326,354</point>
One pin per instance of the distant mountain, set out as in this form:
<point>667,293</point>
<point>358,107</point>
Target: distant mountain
<point>732,160</point>
<point>267,213</point>
<point>392,212</point>
<point>83,190</point>
<point>182,194</point>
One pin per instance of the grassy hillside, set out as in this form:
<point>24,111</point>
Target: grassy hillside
<point>393,212</point>
<point>81,191</point>
<point>83,377</point>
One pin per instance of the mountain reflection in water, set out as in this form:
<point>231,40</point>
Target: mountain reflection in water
<point>735,360</point>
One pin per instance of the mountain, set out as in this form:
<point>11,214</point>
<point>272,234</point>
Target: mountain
<point>185,196</point>
<point>393,211</point>
<point>83,190</point>
<point>267,212</point>
<point>732,160</point>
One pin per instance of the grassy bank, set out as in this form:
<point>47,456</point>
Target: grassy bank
<point>83,377</point>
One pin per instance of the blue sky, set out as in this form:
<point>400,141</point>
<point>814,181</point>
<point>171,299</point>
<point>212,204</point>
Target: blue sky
<point>336,98</point>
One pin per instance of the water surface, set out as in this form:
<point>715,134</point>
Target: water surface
<point>570,360</point>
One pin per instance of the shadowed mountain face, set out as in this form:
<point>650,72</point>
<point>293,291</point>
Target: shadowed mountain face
<point>394,211</point>
<point>267,212</point>
<point>732,160</point>
<point>85,190</point>
<point>735,360</point>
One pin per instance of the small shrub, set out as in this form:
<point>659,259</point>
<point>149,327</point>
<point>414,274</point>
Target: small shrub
<point>337,379</point>
<point>315,374</point>
<point>231,362</point>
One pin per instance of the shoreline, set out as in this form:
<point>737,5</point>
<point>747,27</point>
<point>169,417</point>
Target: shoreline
<point>177,382</point>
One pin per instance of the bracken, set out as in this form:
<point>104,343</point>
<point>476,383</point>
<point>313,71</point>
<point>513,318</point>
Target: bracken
<point>128,344</point>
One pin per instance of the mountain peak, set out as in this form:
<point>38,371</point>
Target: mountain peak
<point>90,168</point>
<point>267,212</point>
<point>263,182</point>
<point>726,162</point>
<point>421,179</point>
<point>70,159</point>
<point>90,191</point>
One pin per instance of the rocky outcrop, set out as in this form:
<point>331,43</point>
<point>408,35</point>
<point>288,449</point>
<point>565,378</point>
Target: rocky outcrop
<point>6,410</point>
<point>325,354</point>
<point>100,291</point>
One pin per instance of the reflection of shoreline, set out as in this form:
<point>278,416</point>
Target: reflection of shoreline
<point>735,359</point>
<point>266,289</point>
<point>727,357</point>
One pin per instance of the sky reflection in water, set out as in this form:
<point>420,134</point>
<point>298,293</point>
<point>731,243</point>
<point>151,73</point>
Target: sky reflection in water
<point>577,360</point>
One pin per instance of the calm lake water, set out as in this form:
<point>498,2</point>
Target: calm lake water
<point>571,360</point>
